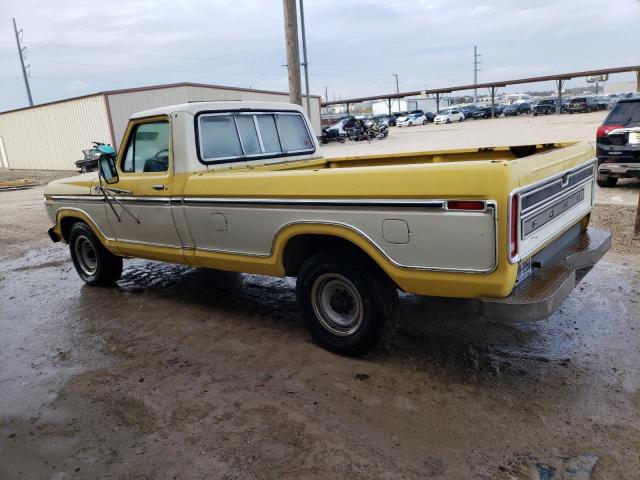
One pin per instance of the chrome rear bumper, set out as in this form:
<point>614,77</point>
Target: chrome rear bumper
<point>557,270</point>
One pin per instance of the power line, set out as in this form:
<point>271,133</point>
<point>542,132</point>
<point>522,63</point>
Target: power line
<point>148,54</point>
<point>125,67</point>
<point>204,72</point>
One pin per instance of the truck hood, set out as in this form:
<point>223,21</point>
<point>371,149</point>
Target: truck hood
<point>77,185</point>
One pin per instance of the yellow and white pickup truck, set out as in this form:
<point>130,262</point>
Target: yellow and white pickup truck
<point>240,186</point>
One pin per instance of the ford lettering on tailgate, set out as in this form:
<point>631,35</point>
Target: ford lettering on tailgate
<point>536,220</point>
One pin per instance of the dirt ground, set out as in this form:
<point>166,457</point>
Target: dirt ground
<point>191,374</point>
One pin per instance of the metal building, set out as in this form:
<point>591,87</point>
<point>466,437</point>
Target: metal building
<point>51,136</point>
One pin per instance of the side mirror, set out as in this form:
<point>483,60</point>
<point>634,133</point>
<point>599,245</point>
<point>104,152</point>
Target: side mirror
<point>108,169</point>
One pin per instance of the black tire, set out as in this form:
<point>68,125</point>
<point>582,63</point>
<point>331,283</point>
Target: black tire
<point>448,120</point>
<point>352,283</point>
<point>604,180</point>
<point>94,263</point>
<point>424,122</point>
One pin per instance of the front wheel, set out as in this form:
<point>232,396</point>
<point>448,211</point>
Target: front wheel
<point>604,180</point>
<point>94,263</point>
<point>348,304</point>
<point>424,122</point>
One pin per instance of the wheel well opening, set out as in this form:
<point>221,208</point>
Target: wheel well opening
<point>65,226</point>
<point>301,247</point>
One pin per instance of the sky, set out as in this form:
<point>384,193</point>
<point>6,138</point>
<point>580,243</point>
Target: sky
<point>354,47</point>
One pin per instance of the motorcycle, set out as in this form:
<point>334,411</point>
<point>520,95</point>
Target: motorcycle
<point>358,133</point>
<point>332,135</point>
<point>91,156</point>
<point>378,130</point>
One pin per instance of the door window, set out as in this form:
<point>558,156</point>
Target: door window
<point>148,148</point>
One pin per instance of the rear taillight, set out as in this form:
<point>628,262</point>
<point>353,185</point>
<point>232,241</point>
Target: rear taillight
<point>513,225</point>
<point>605,129</point>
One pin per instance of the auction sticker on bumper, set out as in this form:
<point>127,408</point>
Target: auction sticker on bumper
<point>524,270</point>
<point>634,138</point>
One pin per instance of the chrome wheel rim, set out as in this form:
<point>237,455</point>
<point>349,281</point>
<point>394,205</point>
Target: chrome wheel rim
<point>86,255</point>
<point>337,304</point>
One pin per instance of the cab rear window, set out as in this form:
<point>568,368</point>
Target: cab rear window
<point>240,136</point>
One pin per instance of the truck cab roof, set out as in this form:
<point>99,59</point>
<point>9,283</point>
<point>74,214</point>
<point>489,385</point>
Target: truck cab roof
<point>222,105</point>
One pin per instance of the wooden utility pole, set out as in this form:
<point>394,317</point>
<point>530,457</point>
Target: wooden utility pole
<point>305,62</point>
<point>293,50</point>
<point>636,230</point>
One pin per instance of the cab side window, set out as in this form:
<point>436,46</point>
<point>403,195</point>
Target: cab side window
<point>148,148</point>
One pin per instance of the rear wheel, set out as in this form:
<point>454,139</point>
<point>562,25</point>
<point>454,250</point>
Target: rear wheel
<point>94,263</point>
<point>604,180</point>
<point>348,304</point>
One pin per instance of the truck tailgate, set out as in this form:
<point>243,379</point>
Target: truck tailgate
<point>556,191</point>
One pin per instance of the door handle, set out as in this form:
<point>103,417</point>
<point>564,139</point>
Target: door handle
<point>158,187</point>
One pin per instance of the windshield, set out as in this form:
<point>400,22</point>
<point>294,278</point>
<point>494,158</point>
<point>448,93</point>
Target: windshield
<point>623,113</point>
<point>546,102</point>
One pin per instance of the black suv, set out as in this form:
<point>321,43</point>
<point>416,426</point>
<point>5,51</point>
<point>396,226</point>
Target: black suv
<point>545,107</point>
<point>583,104</point>
<point>618,143</point>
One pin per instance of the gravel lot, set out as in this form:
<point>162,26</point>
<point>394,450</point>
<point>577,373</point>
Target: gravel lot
<point>187,373</point>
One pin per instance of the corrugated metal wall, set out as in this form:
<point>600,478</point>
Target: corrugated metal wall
<point>51,137</point>
<point>198,94</point>
<point>123,105</point>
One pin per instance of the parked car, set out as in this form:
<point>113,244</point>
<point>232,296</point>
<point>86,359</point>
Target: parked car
<point>341,126</point>
<point>546,106</point>
<point>494,231</point>
<point>412,119</point>
<point>468,110</point>
<point>430,116</point>
<point>604,102</point>
<point>517,109</point>
<point>618,143</point>
<point>482,112</point>
<point>383,119</point>
<point>582,105</point>
<point>448,116</point>
<point>499,109</point>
